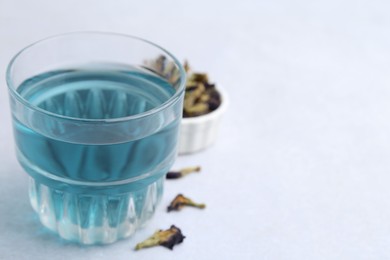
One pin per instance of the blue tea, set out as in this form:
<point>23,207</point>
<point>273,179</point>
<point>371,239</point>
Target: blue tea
<point>70,171</point>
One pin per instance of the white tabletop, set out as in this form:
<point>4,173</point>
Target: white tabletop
<point>301,168</point>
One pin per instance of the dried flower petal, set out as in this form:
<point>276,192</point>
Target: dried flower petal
<point>186,66</point>
<point>201,96</point>
<point>197,109</point>
<point>199,77</point>
<point>180,201</point>
<point>204,97</point>
<point>167,238</point>
<point>160,63</point>
<point>183,172</point>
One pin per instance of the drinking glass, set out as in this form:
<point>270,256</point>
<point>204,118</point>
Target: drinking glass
<point>96,119</point>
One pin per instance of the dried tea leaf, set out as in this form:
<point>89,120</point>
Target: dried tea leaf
<point>182,172</point>
<point>180,201</point>
<point>167,238</point>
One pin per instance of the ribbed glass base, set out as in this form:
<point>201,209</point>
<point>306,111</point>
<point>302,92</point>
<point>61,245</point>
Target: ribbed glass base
<point>92,218</point>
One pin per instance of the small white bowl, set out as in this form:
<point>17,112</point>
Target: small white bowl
<point>198,133</point>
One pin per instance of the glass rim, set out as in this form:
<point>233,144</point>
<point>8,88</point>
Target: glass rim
<point>171,100</point>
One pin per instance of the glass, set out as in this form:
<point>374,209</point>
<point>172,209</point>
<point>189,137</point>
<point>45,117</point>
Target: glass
<point>96,119</point>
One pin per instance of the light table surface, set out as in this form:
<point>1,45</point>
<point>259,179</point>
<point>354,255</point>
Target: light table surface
<point>301,168</point>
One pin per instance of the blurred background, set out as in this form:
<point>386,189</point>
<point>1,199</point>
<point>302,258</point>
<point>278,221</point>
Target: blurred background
<point>300,169</point>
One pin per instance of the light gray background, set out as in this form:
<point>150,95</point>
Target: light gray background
<point>301,169</point>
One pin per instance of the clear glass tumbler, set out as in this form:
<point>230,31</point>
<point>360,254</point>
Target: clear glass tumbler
<point>96,119</point>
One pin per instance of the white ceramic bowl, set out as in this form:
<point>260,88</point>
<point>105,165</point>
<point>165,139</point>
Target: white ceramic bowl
<point>198,133</point>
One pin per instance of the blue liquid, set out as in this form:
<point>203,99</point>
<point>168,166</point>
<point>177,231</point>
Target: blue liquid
<point>95,94</point>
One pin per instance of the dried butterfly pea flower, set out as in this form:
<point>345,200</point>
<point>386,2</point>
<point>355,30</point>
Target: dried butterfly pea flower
<point>174,75</point>
<point>160,63</point>
<point>201,97</point>
<point>197,109</point>
<point>195,91</point>
<point>215,99</point>
<point>213,104</point>
<point>191,99</point>
<point>167,238</point>
<point>167,69</point>
<point>183,172</point>
<point>190,87</point>
<point>199,77</point>
<point>204,97</point>
<point>186,66</point>
<point>180,201</point>
<point>209,86</point>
